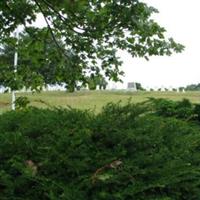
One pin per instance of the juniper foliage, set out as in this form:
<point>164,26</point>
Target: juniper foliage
<point>125,152</point>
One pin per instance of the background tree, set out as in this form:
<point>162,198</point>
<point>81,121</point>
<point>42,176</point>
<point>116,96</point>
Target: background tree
<point>102,83</point>
<point>92,84</point>
<point>193,87</point>
<point>95,81</point>
<point>40,60</point>
<point>139,87</point>
<point>181,89</point>
<point>92,31</point>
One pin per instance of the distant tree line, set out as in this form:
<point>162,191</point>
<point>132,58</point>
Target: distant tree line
<point>193,87</point>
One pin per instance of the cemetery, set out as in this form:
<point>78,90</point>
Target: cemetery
<point>76,123</point>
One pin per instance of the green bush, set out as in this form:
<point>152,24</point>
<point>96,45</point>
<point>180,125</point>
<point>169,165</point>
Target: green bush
<point>125,152</point>
<point>197,111</point>
<point>168,108</point>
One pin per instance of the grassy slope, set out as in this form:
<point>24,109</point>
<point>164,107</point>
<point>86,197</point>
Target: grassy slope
<point>93,100</point>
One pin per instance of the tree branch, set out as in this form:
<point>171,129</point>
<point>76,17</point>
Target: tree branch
<point>50,29</point>
<point>61,17</point>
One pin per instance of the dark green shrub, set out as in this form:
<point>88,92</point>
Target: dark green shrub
<point>168,108</point>
<point>125,152</point>
<point>163,107</point>
<point>197,111</point>
<point>184,109</point>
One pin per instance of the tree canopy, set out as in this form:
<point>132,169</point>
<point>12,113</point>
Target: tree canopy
<point>39,62</point>
<point>86,34</point>
<point>193,87</point>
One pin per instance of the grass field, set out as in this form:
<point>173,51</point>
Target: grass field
<point>92,99</point>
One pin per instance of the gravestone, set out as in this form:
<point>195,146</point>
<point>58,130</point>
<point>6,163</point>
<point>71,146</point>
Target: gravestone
<point>132,86</point>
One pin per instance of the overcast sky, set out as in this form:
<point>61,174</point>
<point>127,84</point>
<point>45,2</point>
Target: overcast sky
<point>181,20</point>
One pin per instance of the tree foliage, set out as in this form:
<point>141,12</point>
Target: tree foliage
<point>139,86</point>
<point>97,81</point>
<point>193,87</point>
<point>92,31</point>
<point>39,62</point>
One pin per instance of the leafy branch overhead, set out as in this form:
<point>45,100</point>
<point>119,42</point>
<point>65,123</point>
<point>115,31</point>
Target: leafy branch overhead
<point>86,34</point>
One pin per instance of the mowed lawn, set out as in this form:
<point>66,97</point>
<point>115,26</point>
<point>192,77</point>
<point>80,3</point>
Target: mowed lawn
<point>93,100</point>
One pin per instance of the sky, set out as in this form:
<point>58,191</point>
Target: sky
<point>181,20</point>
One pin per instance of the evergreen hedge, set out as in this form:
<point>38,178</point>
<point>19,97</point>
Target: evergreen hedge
<point>125,152</point>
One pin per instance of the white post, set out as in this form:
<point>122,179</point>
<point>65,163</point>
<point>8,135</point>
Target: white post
<point>15,68</point>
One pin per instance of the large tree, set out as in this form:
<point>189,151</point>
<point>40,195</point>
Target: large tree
<point>39,62</point>
<point>92,31</point>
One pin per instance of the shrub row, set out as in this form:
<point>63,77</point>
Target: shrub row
<point>180,109</point>
<point>125,152</point>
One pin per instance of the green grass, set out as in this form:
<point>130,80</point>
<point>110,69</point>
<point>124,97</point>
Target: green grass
<point>94,100</point>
